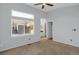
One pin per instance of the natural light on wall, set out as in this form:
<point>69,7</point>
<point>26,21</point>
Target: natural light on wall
<point>21,23</point>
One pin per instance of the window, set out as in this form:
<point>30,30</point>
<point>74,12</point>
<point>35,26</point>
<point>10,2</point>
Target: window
<point>22,14</point>
<point>22,23</point>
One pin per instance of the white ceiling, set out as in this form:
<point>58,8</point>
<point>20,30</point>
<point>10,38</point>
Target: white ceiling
<point>48,8</point>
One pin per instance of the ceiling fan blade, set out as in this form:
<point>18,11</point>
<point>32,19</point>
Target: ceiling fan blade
<point>43,6</point>
<point>49,4</point>
<point>38,3</point>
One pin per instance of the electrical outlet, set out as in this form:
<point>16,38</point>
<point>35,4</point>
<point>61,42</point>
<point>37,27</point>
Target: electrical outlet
<point>29,38</point>
<point>70,39</point>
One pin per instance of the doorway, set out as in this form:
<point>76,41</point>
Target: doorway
<point>50,30</point>
<point>43,28</point>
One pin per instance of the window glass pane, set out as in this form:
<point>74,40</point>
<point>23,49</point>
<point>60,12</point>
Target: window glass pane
<point>21,14</point>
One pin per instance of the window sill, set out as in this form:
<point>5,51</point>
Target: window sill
<point>17,35</point>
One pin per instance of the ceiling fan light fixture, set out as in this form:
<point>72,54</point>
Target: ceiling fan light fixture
<point>44,4</point>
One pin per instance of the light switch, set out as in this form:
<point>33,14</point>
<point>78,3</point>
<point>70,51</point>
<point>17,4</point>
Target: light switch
<point>74,29</point>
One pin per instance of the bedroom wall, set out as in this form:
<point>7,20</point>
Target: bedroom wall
<point>8,42</point>
<point>65,19</point>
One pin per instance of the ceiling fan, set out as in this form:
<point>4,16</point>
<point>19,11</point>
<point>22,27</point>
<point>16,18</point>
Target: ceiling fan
<point>43,4</point>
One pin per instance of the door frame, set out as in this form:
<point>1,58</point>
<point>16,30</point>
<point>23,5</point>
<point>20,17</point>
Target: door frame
<point>47,29</point>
